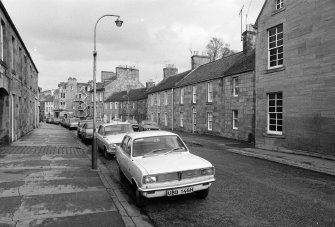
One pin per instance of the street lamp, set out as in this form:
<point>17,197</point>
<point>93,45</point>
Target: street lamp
<point>118,23</point>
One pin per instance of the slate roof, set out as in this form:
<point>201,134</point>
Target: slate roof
<point>211,70</point>
<point>226,66</point>
<point>245,64</point>
<point>135,94</point>
<point>100,87</point>
<point>169,82</point>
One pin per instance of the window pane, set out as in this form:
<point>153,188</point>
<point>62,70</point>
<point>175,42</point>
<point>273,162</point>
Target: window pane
<point>280,128</point>
<point>273,58</point>
<point>272,109</point>
<point>273,63</point>
<point>273,51</point>
<point>272,31</point>
<point>272,116</point>
<point>272,127</point>
<point>279,102</point>
<point>272,102</point>
<point>272,121</point>
<point>280,109</point>
<point>280,62</point>
<point>280,36</point>
<point>272,96</point>
<point>280,49</point>
<point>280,42</point>
<point>279,95</point>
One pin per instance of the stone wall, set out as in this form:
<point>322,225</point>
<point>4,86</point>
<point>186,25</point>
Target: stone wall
<point>222,106</point>
<point>307,79</point>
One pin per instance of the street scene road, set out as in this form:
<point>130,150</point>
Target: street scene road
<point>248,192</point>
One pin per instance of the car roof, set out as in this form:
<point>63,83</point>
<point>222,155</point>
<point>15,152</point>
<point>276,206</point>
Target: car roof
<point>143,134</point>
<point>116,123</point>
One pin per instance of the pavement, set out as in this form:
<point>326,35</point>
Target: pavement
<point>311,161</point>
<point>46,180</point>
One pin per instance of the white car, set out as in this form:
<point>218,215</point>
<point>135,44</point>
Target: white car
<point>158,163</point>
<point>110,135</point>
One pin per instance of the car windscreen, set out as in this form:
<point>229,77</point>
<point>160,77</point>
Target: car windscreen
<point>117,129</point>
<point>157,145</point>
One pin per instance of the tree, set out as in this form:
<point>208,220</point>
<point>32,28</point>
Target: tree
<point>217,48</point>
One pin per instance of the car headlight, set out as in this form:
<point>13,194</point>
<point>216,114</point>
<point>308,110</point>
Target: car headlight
<point>149,179</point>
<point>112,146</point>
<point>207,171</point>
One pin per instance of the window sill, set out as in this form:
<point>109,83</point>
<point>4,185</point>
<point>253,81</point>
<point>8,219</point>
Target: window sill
<point>194,103</point>
<point>235,129</point>
<point>282,68</point>
<point>278,11</point>
<point>273,136</point>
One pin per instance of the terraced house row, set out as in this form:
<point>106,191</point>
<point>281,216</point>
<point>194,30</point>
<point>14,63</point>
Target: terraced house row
<point>278,92</point>
<point>19,109</point>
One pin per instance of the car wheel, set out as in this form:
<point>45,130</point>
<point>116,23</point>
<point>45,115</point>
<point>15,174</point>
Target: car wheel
<point>202,194</point>
<point>107,155</point>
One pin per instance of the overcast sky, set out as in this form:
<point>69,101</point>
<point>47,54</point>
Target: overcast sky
<point>59,34</point>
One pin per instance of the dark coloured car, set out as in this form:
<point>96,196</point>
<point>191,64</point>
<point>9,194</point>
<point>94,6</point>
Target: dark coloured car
<point>134,124</point>
<point>87,131</point>
<point>80,127</point>
<point>147,125</point>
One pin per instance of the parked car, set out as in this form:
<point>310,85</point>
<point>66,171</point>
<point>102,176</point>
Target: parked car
<point>87,131</point>
<point>147,125</point>
<point>110,135</point>
<point>62,122</point>
<point>134,124</point>
<point>56,121</point>
<point>80,127</point>
<point>159,164</point>
<point>49,120</point>
<point>72,123</point>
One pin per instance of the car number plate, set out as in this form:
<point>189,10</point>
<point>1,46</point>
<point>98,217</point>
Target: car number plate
<point>179,191</point>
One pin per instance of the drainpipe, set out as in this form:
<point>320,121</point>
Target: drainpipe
<point>172,110</point>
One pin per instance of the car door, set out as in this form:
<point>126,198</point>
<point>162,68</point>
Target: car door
<point>124,156</point>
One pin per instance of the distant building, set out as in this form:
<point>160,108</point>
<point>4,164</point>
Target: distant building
<point>19,108</point>
<point>295,79</point>
<point>72,99</point>
<point>160,98</point>
<point>127,105</point>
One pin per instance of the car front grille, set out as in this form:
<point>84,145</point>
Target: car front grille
<point>177,176</point>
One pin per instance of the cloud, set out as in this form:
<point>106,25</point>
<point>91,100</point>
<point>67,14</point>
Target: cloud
<point>154,33</point>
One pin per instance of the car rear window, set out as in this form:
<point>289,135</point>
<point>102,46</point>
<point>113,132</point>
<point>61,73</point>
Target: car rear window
<point>117,129</point>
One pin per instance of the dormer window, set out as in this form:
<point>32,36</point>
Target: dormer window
<point>279,4</point>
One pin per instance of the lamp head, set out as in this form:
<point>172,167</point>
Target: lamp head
<point>118,22</point>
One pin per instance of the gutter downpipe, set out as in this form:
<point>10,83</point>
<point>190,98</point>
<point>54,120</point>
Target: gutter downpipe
<point>172,110</point>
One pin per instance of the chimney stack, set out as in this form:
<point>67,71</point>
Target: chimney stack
<point>149,84</point>
<point>197,60</point>
<point>169,70</point>
<point>249,39</point>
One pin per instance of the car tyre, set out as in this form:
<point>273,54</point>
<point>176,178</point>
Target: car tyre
<point>107,155</point>
<point>202,194</point>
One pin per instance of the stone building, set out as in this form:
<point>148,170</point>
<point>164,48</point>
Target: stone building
<point>81,102</point>
<point>160,98</point>
<point>126,78</point>
<point>72,99</point>
<point>217,98</point>
<point>125,105</point>
<point>295,80</point>
<point>19,108</point>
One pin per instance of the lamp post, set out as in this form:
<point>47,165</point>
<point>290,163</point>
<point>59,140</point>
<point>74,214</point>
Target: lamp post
<point>118,23</point>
